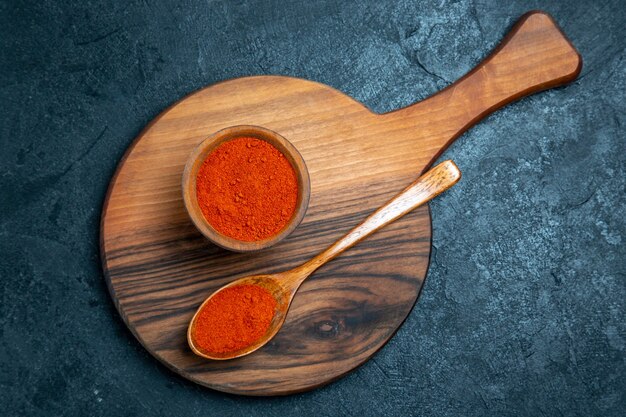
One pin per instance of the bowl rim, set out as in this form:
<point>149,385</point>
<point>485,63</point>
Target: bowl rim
<point>200,153</point>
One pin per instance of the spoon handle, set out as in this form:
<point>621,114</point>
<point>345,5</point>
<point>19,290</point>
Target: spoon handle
<point>425,188</point>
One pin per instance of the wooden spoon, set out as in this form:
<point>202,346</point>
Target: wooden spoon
<point>284,285</point>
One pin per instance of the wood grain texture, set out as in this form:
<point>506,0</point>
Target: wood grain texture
<point>159,268</point>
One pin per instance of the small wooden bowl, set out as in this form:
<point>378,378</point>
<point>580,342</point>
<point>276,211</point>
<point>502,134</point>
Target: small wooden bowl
<point>198,156</point>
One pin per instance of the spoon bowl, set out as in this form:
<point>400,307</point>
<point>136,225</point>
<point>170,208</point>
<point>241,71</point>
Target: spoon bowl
<point>284,285</point>
<point>274,286</point>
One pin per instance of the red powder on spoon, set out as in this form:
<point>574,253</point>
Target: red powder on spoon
<point>233,318</point>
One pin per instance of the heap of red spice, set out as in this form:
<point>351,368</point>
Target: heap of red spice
<point>247,189</point>
<point>233,318</point>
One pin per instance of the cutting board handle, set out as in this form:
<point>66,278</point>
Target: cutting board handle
<point>534,56</point>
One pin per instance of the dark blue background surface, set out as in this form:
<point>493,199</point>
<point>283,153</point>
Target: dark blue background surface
<point>523,309</point>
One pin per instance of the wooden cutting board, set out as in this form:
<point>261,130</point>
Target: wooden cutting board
<point>159,268</point>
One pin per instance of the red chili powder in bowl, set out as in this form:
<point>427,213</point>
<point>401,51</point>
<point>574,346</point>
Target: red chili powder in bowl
<point>233,318</point>
<point>247,189</point>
